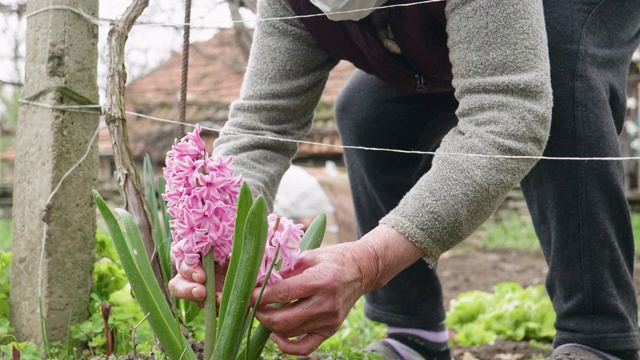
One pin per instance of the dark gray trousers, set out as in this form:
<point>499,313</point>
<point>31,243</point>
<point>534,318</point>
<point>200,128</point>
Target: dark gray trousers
<point>578,207</point>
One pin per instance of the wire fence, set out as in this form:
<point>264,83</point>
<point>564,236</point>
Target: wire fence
<point>92,108</point>
<point>107,22</point>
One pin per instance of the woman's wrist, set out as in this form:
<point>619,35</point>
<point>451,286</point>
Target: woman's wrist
<point>385,252</point>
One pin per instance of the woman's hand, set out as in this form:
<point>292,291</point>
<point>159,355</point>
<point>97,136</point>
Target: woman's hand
<point>325,285</point>
<point>189,283</point>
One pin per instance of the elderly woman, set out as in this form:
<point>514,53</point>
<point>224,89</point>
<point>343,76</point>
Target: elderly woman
<point>472,81</point>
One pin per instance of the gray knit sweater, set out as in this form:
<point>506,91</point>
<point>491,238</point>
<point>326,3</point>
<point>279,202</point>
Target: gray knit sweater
<point>500,64</point>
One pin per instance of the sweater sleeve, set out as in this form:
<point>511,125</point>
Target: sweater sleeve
<point>285,76</point>
<point>499,55</point>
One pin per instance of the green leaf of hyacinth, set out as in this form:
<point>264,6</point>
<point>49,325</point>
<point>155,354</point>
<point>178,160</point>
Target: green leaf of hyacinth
<point>245,201</point>
<point>244,279</point>
<point>249,322</point>
<point>165,245</point>
<point>150,193</point>
<point>158,233</point>
<point>312,239</point>
<point>163,207</point>
<point>208,264</point>
<point>133,237</point>
<point>131,252</point>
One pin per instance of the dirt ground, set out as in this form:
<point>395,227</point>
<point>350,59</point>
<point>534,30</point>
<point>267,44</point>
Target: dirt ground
<point>465,270</point>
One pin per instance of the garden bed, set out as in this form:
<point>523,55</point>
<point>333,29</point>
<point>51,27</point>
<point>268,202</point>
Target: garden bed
<point>471,268</point>
<point>477,269</point>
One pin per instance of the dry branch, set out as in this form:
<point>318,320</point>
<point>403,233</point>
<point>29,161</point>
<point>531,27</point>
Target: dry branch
<point>115,118</point>
<point>243,34</point>
<point>250,4</point>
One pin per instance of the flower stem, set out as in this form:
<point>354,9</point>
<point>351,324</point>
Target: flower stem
<point>208,263</point>
<point>255,307</point>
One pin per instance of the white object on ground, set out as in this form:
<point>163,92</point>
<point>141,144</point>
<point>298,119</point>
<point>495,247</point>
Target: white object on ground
<point>300,195</point>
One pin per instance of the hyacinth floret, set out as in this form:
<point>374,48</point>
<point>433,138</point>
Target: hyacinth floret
<point>286,235</point>
<point>201,194</point>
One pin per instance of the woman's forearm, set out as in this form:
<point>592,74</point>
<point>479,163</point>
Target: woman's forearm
<point>500,61</point>
<point>285,77</point>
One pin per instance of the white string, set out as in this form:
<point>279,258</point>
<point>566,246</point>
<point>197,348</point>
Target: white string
<point>92,19</point>
<point>60,107</point>
<point>104,21</point>
<point>392,150</point>
<point>44,232</point>
<point>342,12</point>
<point>416,152</point>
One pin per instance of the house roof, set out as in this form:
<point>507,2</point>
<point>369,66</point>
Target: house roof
<point>216,70</point>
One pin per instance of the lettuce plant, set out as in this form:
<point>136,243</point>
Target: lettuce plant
<point>510,312</point>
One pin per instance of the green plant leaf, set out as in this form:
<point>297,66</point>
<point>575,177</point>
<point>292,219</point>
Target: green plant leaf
<point>108,278</point>
<point>208,264</point>
<point>27,350</point>
<point>147,291</point>
<point>312,239</point>
<point>189,310</point>
<point>158,231</point>
<point>252,315</point>
<point>245,201</point>
<point>165,245</point>
<point>510,312</point>
<point>139,254</point>
<point>43,328</point>
<point>165,215</point>
<point>244,279</point>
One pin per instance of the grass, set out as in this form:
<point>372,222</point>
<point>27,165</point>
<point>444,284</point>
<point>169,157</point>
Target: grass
<point>510,233</point>
<point>5,234</point>
<point>635,223</point>
<point>516,233</point>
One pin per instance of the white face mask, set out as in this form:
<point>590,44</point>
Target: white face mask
<point>330,6</point>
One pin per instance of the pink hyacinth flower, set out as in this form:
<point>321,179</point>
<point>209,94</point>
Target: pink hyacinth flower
<point>201,194</point>
<point>287,236</point>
